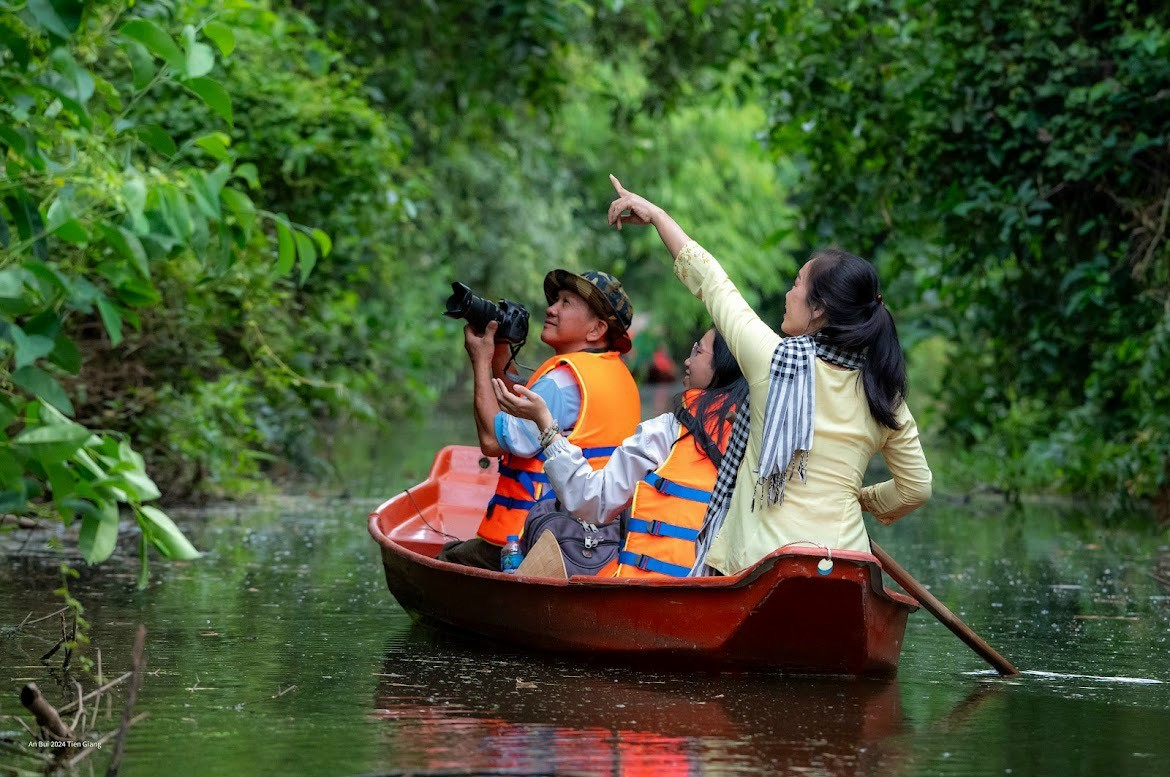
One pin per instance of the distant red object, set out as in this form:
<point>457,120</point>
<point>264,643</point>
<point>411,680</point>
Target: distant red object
<point>662,368</point>
<point>779,614</point>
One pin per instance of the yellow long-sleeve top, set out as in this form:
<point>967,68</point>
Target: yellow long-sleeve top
<point>826,508</point>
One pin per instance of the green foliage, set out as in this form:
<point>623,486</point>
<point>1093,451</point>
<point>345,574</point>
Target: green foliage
<point>1011,161</point>
<point>100,205</point>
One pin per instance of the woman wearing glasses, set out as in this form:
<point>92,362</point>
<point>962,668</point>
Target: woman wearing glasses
<point>664,472</point>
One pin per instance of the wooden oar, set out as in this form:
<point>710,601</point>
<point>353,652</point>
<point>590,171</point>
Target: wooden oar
<point>940,611</point>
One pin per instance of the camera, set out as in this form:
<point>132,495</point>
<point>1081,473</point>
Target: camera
<point>512,316</point>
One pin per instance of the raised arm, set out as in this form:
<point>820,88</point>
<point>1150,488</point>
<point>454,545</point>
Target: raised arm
<point>482,351</point>
<point>642,212</point>
<point>750,340</point>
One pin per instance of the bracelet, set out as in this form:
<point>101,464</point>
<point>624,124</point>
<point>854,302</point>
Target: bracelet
<point>549,434</point>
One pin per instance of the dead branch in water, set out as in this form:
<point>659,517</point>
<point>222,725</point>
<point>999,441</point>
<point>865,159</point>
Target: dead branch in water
<point>131,697</point>
<point>98,744</point>
<point>47,717</point>
<point>72,705</point>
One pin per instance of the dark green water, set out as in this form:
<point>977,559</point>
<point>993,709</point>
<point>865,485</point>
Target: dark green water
<point>282,653</point>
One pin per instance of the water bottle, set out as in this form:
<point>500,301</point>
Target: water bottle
<point>510,555</point>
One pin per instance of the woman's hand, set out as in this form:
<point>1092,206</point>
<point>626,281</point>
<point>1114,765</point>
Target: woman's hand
<point>524,403</point>
<point>641,210</point>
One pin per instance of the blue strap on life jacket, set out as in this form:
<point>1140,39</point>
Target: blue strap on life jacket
<point>662,529</point>
<point>524,478</point>
<point>651,564</point>
<point>509,503</point>
<point>664,486</point>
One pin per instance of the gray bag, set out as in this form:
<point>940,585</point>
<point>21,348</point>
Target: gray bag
<point>585,547</point>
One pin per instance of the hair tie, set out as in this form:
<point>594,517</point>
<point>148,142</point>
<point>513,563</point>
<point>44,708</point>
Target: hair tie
<point>879,299</point>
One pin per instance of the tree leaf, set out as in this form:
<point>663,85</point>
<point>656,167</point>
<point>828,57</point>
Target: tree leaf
<point>141,63</point>
<point>11,472</point>
<point>66,354</point>
<point>128,245</point>
<point>99,533</point>
<point>112,320</point>
<point>157,138</point>
<point>11,283</point>
<point>287,252</point>
<point>175,212</point>
<point>52,442</point>
<point>76,82</point>
<point>48,18</point>
<point>205,199</point>
<point>156,40</point>
<point>200,59</point>
<point>165,535</point>
<point>61,222</point>
<point>212,93</point>
<point>241,205</point>
<point>323,242</point>
<point>39,383</point>
<point>216,144</point>
<point>134,195</point>
<point>29,348</point>
<point>143,563</point>
<point>307,253</point>
<point>247,171</point>
<point>222,36</point>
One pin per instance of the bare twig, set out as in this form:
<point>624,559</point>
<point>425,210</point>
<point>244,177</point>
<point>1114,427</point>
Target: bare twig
<point>27,753</point>
<point>68,645</point>
<point>53,614</point>
<point>25,725</point>
<point>53,649</point>
<point>98,744</point>
<point>71,705</point>
<point>80,706</point>
<point>131,697</point>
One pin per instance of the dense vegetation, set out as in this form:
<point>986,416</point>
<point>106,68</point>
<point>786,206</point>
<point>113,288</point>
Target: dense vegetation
<point>1010,164</point>
<point>227,227</point>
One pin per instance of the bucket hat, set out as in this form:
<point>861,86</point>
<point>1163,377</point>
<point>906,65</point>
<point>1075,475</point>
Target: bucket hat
<point>604,295</point>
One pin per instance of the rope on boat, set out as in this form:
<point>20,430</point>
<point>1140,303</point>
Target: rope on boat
<point>424,518</point>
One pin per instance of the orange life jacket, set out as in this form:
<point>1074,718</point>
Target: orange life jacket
<point>669,506</point>
<point>610,410</point>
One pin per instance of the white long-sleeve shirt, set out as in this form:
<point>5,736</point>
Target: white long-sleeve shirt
<point>598,496</point>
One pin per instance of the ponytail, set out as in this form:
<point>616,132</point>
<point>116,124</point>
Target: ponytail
<point>845,288</point>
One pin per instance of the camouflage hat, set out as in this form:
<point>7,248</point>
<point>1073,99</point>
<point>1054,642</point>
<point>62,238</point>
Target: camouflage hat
<point>603,293</point>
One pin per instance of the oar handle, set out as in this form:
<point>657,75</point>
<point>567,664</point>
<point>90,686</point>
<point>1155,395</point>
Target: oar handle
<point>940,611</point>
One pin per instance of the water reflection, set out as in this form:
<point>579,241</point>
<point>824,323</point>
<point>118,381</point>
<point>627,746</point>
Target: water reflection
<point>450,705</point>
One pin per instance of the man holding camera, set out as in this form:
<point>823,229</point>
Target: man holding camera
<point>586,385</point>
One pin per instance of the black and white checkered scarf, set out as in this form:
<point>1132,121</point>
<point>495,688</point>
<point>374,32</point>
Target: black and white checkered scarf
<point>788,432</point>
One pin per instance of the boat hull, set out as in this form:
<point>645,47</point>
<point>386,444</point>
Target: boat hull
<point>781,613</point>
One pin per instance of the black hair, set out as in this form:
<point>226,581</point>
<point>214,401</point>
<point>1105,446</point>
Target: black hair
<point>845,287</point>
<point>727,391</point>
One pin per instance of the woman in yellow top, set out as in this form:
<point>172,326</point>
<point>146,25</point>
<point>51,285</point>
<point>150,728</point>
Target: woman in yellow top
<point>821,402</point>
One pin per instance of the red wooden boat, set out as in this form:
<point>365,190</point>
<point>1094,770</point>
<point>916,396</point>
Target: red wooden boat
<point>780,613</point>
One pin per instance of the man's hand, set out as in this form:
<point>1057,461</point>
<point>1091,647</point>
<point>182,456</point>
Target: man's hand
<point>522,402</point>
<point>480,347</point>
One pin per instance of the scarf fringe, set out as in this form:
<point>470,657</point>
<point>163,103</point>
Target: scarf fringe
<point>769,489</point>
